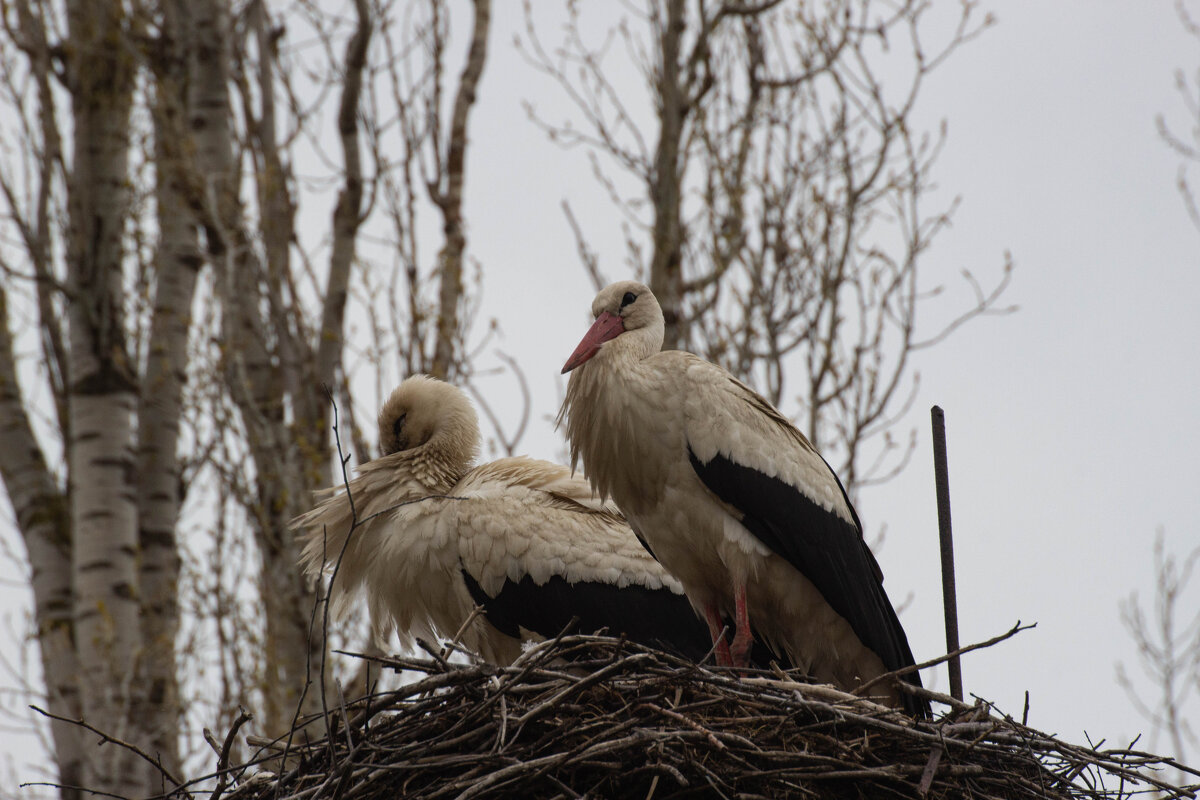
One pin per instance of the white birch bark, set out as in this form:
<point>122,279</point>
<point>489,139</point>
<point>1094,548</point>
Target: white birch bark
<point>42,517</point>
<point>102,393</point>
<point>158,476</point>
<point>39,503</point>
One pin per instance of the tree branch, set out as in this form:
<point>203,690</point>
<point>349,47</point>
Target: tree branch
<point>106,737</point>
<point>448,198</point>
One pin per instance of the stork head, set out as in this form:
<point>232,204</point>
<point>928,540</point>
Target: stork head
<point>620,308</point>
<point>426,412</point>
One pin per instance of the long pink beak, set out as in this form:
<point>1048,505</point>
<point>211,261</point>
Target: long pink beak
<point>607,326</point>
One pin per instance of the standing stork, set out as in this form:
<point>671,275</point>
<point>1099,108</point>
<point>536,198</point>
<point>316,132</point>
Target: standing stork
<point>731,498</point>
<point>427,537</point>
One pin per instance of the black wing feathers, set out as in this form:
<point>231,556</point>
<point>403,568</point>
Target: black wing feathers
<point>825,548</point>
<point>656,617</point>
<point>653,617</point>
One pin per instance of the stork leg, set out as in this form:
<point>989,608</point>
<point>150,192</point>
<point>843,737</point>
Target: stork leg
<point>716,629</point>
<point>743,638</point>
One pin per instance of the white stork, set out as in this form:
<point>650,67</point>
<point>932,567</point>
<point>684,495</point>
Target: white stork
<point>524,539</point>
<point>731,498</point>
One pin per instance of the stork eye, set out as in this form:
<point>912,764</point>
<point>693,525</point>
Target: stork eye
<point>628,298</point>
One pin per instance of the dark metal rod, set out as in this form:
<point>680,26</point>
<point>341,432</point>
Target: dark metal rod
<point>941,472</point>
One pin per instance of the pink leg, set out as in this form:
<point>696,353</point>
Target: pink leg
<point>716,629</point>
<point>740,650</point>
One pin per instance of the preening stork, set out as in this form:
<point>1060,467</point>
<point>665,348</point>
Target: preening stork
<point>524,539</point>
<point>731,498</point>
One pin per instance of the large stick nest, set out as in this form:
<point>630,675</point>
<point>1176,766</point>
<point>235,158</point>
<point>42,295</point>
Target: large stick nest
<point>586,716</point>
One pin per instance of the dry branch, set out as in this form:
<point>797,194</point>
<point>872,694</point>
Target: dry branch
<point>106,737</point>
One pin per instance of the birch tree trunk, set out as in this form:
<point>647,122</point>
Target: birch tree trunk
<point>102,394</point>
<point>176,265</point>
<point>44,521</point>
<point>39,504</point>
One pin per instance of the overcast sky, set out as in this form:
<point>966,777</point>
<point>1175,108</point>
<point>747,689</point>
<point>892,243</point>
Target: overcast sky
<point>1072,424</point>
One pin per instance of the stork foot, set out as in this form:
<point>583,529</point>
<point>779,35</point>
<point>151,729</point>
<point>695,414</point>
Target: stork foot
<point>740,651</point>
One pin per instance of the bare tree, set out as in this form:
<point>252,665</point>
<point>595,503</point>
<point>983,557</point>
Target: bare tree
<point>430,146</point>
<point>267,356</point>
<point>44,522</point>
<point>1167,637</point>
<point>38,497</point>
<point>177,192</point>
<point>781,215</point>
<point>448,192</point>
<point>275,362</point>
<point>85,533</point>
<point>176,268</point>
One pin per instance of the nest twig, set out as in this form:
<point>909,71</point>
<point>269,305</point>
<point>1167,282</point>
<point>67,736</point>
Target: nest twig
<point>599,717</point>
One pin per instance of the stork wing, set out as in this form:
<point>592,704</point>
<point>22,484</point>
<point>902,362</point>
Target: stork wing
<point>654,617</point>
<point>757,463</point>
<point>537,551</point>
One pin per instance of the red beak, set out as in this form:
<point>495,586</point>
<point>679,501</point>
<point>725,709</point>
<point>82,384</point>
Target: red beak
<point>607,326</point>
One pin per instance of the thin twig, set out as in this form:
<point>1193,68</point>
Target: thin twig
<point>243,717</point>
<point>933,662</point>
<point>105,737</point>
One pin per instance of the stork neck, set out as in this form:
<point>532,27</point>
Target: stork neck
<point>432,467</point>
<point>635,346</point>
<point>603,397</point>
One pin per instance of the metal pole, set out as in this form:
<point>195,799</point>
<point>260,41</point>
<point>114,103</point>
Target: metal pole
<point>949,596</point>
